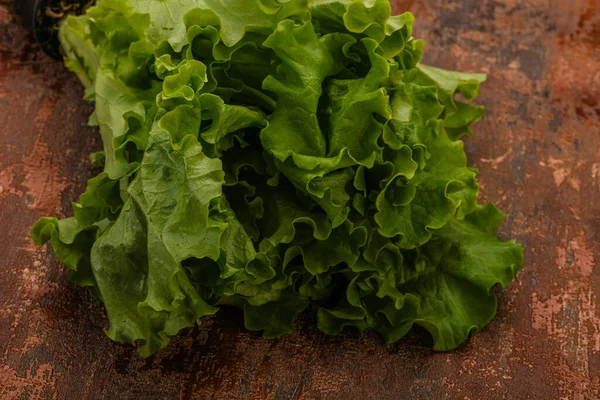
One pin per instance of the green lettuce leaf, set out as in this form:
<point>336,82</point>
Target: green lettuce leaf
<point>276,156</point>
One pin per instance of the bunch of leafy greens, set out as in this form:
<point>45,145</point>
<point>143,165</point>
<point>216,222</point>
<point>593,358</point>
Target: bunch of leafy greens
<point>276,155</point>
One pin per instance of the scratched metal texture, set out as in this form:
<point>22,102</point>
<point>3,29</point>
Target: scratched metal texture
<point>539,154</point>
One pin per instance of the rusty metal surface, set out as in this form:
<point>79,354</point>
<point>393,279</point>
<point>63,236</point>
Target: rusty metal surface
<point>539,155</point>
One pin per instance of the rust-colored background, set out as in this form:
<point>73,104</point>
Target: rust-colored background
<point>539,155</point>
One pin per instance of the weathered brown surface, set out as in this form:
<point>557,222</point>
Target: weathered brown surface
<point>539,155</point>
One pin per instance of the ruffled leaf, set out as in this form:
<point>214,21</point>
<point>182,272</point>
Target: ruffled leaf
<point>274,156</point>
